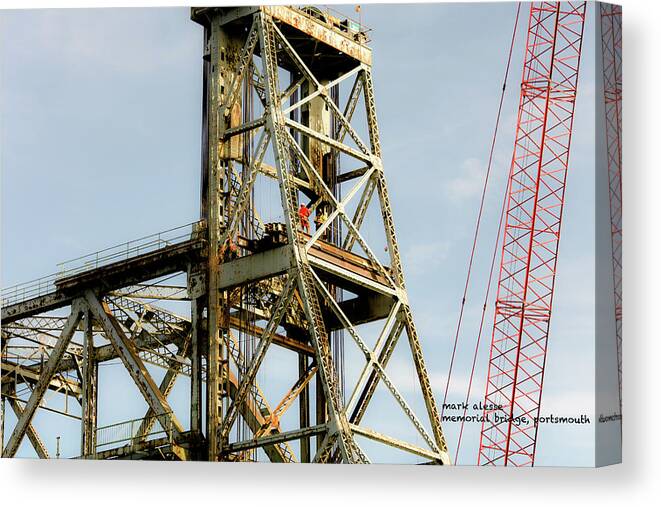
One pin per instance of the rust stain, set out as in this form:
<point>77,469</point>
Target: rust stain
<point>311,27</point>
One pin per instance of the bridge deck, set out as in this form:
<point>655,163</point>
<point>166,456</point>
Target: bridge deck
<point>340,267</point>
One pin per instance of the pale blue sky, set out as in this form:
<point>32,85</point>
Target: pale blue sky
<point>100,144</point>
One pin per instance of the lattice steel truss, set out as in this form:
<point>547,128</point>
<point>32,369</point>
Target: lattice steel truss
<point>251,285</point>
<point>533,218</point>
<point>611,51</point>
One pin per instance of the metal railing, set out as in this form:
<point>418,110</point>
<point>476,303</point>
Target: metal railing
<point>335,19</point>
<point>46,285</point>
<point>28,290</point>
<point>126,250</point>
<point>126,432</point>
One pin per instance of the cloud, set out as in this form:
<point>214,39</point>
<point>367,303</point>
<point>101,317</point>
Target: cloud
<point>468,183</point>
<point>403,374</point>
<point>421,258</point>
<point>568,403</point>
<point>120,41</point>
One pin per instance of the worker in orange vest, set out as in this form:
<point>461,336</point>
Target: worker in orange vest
<point>229,251</point>
<point>303,215</point>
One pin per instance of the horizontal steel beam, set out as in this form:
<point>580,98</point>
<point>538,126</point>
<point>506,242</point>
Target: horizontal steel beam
<point>400,444</point>
<point>361,280</point>
<point>277,438</point>
<point>317,29</point>
<point>34,306</point>
<point>350,175</point>
<point>255,267</point>
<point>134,270</point>
<point>137,450</point>
<point>156,291</point>
<point>278,339</point>
<point>362,309</point>
<point>32,375</point>
<point>270,171</point>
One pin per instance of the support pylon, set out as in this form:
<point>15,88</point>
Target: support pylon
<point>306,293</point>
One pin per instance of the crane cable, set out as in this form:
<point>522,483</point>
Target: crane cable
<point>475,236</point>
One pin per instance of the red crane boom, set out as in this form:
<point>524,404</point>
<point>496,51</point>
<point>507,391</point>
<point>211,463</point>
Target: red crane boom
<point>535,200</point>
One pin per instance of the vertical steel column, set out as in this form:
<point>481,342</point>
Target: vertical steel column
<point>320,407</point>
<point>196,311</point>
<point>196,370</point>
<point>532,233</point>
<point>316,116</point>
<point>224,49</point>
<point>90,389</point>
<point>304,409</point>
<point>214,353</point>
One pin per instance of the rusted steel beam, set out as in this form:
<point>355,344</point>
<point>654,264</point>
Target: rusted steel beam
<point>156,291</point>
<point>137,269</point>
<point>34,306</point>
<point>270,171</point>
<point>440,457</point>
<point>255,267</point>
<point>278,339</point>
<point>197,339</point>
<point>165,387</point>
<point>328,258</point>
<point>134,451</point>
<point>144,340</point>
<point>309,26</point>
<point>276,438</point>
<point>255,421</point>
<point>350,175</point>
<point>294,392</point>
<point>32,375</point>
<point>342,273</point>
<point>304,410</point>
<point>89,379</point>
<point>362,309</point>
<point>316,29</point>
<point>32,434</point>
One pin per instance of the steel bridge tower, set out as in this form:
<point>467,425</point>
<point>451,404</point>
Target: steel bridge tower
<point>289,109</point>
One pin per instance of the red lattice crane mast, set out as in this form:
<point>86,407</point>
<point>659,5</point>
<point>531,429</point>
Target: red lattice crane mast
<point>611,50</point>
<point>533,217</point>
